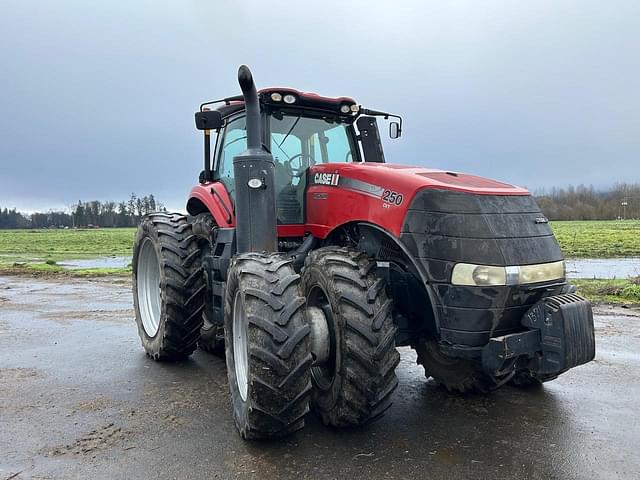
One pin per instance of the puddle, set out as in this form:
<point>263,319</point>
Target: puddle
<point>603,267</point>
<point>102,262</point>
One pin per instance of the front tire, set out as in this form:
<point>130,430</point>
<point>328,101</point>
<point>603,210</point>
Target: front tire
<point>528,380</point>
<point>168,286</point>
<point>267,347</point>
<point>356,383</point>
<point>454,374</point>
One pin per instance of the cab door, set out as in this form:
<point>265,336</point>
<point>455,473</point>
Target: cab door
<point>298,143</point>
<point>234,142</point>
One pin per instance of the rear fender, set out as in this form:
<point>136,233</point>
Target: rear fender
<point>212,198</point>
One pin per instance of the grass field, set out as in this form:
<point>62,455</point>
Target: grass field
<point>598,239</point>
<point>593,239</point>
<point>18,248</point>
<point>589,239</point>
<point>25,245</point>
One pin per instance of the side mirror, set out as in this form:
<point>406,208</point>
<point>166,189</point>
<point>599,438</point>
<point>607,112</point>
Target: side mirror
<point>208,120</point>
<point>394,130</point>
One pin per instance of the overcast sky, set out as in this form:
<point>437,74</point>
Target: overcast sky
<point>97,98</point>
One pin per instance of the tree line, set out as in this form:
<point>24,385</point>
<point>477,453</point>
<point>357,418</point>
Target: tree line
<point>85,214</point>
<point>587,203</point>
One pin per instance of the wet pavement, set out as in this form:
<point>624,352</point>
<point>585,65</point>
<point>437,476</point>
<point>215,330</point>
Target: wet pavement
<point>79,399</point>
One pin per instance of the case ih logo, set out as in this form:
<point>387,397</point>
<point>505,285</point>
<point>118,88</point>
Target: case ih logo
<point>326,178</point>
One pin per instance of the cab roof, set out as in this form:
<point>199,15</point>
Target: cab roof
<point>290,98</point>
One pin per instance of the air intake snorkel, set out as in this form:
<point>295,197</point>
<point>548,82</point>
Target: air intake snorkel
<point>254,180</point>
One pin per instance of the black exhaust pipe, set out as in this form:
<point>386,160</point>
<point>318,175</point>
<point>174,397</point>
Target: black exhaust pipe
<point>254,180</point>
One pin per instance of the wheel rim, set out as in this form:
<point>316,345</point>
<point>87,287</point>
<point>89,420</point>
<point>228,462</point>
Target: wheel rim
<point>148,286</point>
<point>324,374</point>
<point>240,347</point>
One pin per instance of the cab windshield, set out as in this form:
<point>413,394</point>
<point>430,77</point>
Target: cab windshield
<point>302,142</point>
<point>296,143</point>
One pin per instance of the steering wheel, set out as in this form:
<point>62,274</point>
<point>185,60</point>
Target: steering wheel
<point>298,170</point>
<point>346,157</point>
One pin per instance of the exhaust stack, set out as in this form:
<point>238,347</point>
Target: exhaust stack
<point>254,180</point>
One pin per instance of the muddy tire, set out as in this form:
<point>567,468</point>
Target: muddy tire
<point>212,333</point>
<point>267,346</point>
<point>455,374</point>
<point>525,379</point>
<point>168,286</point>
<point>356,383</point>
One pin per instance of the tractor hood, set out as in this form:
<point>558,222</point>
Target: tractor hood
<point>416,178</point>
<point>382,194</point>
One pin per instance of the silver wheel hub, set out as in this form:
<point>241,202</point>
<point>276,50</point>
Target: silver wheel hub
<point>240,347</point>
<point>148,288</point>
<point>319,335</point>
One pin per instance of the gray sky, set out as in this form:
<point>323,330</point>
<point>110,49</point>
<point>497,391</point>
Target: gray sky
<point>97,98</point>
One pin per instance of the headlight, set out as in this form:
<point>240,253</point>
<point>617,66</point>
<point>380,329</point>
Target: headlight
<point>488,275</point>
<point>469,274</point>
<point>542,272</point>
<point>289,99</point>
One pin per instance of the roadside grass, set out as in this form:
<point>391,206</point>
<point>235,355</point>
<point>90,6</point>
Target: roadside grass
<point>598,238</point>
<point>626,292</point>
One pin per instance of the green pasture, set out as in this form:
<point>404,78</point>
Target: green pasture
<point>19,249</point>
<point>598,239</point>
<point>59,244</point>
<point>587,239</point>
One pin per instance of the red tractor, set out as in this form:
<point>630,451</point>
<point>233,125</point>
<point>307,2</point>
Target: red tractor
<point>306,260</point>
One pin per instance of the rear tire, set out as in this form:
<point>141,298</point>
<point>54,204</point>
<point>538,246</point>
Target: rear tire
<point>267,346</point>
<point>168,286</point>
<point>212,332</point>
<point>357,382</point>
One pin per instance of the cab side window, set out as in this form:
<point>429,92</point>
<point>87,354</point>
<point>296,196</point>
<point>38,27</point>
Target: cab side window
<point>234,142</point>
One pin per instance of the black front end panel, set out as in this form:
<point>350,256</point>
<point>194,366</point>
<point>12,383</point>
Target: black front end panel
<point>444,227</point>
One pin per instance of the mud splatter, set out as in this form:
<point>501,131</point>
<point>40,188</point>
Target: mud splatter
<point>19,374</point>
<point>94,405</point>
<point>101,438</point>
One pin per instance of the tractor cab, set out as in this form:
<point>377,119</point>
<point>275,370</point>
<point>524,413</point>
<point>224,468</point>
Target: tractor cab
<point>302,130</point>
